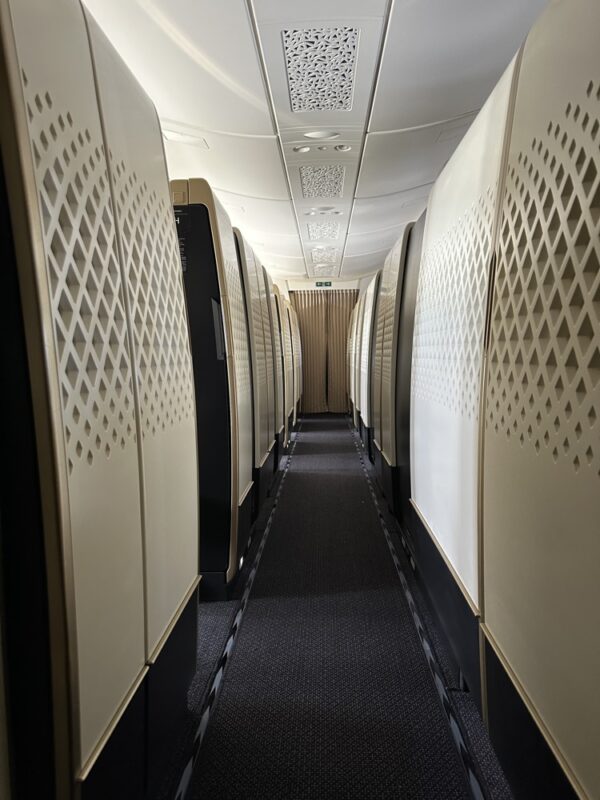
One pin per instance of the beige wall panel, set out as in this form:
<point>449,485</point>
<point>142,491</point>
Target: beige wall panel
<point>277,354</point>
<point>254,309</point>
<point>447,357</point>
<point>366,350</point>
<point>360,316</point>
<point>288,364</point>
<point>391,299</point>
<point>542,440</point>
<point>269,361</point>
<point>159,335</point>
<point>88,347</point>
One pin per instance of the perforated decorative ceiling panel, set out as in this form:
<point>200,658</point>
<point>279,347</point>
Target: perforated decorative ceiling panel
<point>541,471</point>
<point>319,231</point>
<point>326,181</point>
<point>325,255</point>
<point>320,67</point>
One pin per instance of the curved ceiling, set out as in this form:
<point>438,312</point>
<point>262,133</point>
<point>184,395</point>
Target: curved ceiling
<point>238,85</point>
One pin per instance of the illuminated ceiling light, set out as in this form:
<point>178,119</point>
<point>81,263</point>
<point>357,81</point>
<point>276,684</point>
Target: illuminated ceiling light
<point>304,149</point>
<point>321,135</point>
<point>322,147</point>
<point>343,148</point>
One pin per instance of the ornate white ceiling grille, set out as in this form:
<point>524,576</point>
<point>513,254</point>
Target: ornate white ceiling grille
<point>322,181</point>
<point>324,270</point>
<point>325,255</point>
<point>318,231</point>
<point>320,67</point>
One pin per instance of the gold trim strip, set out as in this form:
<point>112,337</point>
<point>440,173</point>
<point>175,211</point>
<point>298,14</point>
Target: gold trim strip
<point>95,754</point>
<point>175,619</point>
<point>447,562</point>
<point>550,741</point>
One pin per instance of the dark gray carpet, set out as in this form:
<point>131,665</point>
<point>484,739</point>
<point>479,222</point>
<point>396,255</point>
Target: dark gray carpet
<point>328,693</point>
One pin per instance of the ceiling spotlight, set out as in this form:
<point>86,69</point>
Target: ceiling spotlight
<point>322,147</point>
<point>304,149</point>
<point>343,148</point>
<point>310,213</point>
<point>321,135</point>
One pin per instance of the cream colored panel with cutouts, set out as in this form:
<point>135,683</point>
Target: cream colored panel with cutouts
<point>349,343</point>
<point>448,337</point>
<point>288,364</point>
<point>382,304</point>
<point>248,266</point>
<point>90,350</point>
<point>542,440</point>
<point>297,347</point>
<point>352,355</point>
<point>367,349</point>
<point>392,299</point>
<point>268,342</point>
<point>277,353</point>
<point>358,349</point>
<point>232,295</point>
<point>157,311</point>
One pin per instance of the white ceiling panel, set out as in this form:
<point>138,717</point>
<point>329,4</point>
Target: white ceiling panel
<point>442,59</point>
<point>355,266</point>
<point>264,216</point>
<point>316,10</point>
<point>380,213</point>
<point>196,60</point>
<point>367,243</point>
<point>240,164</point>
<point>400,161</point>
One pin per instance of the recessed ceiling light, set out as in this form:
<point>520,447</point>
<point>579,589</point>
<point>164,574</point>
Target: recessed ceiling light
<point>310,213</point>
<point>321,135</point>
<point>343,148</point>
<point>304,149</point>
<point>322,147</point>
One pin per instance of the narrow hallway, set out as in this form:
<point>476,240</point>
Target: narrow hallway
<point>328,692</point>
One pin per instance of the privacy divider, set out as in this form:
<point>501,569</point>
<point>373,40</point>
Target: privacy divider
<point>288,364</point>
<point>276,338</point>
<point>448,340</point>
<point>112,392</point>
<point>265,304</point>
<point>366,359</point>
<point>360,316</point>
<point>297,355</point>
<point>351,355</point>
<point>541,500</point>
<point>221,356</point>
<point>255,300</point>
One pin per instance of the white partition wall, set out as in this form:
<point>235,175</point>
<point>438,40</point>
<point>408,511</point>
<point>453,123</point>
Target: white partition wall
<point>276,337</point>
<point>166,433</point>
<point>252,281</point>
<point>542,436</point>
<point>352,355</point>
<point>448,339</point>
<point>297,357</point>
<point>377,354</point>
<point>366,350</point>
<point>360,316</point>
<point>89,371</point>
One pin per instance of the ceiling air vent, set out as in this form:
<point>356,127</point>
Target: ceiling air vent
<point>320,67</point>
<point>322,181</point>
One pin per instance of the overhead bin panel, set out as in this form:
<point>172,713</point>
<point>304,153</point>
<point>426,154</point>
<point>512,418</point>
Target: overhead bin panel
<point>542,447</point>
<point>159,335</point>
<point>448,338</point>
<point>250,276</point>
<point>221,356</point>
<point>88,368</point>
<point>367,348</point>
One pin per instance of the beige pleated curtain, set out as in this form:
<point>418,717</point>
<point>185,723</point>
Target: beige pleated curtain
<point>324,318</point>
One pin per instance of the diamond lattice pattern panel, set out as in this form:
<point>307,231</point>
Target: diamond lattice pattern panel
<point>320,67</point>
<point>87,300</point>
<point>366,350</point>
<point>157,304</point>
<point>450,312</point>
<point>277,354</point>
<point>544,377</point>
<point>269,358</point>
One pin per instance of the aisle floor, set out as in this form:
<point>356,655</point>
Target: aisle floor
<point>327,692</point>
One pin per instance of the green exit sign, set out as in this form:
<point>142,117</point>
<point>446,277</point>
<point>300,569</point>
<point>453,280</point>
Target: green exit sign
<point>323,283</point>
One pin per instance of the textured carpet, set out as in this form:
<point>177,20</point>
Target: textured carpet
<point>328,693</point>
